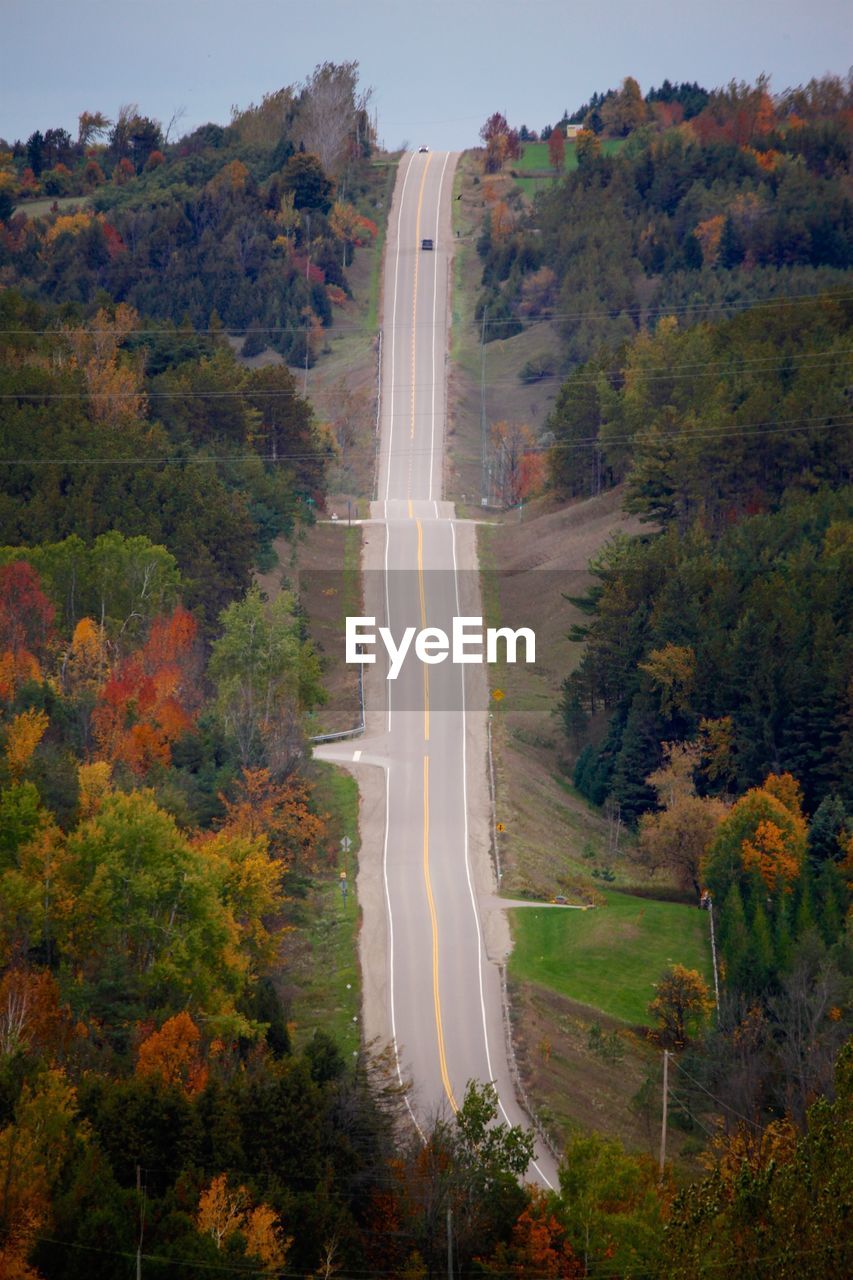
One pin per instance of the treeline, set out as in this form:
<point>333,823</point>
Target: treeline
<point>251,225</point>
<point>156,433</point>
<point>744,201</point>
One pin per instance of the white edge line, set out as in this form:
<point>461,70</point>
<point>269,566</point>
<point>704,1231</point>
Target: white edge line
<point>434,301</point>
<point>394,329</point>
<point>391,950</point>
<point>473,898</point>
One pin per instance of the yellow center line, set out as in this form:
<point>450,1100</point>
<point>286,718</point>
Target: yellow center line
<point>423,624</point>
<point>415,288</point>
<point>442,1060</point>
<point>411,509</point>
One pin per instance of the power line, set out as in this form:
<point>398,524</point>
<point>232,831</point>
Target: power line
<point>589,442</point>
<point>719,1101</point>
<point>655,373</point>
<point>183,335</point>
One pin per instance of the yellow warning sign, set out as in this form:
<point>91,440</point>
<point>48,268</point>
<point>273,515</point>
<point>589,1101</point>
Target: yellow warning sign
<point>500,827</point>
<point>497,694</point>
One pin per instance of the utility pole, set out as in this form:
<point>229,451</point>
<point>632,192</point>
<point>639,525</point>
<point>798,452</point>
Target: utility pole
<point>141,1204</point>
<point>308,316</point>
<point>484,482</point>
<point>664,1110</point>
<point>714,955</point>
<point>449,1242</point>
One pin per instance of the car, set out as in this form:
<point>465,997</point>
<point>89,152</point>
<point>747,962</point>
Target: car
<point>427,244</point>
<point>423,147</point>
<point>560,900</point>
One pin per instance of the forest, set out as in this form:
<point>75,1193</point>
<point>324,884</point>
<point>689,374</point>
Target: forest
<point>159,821</point>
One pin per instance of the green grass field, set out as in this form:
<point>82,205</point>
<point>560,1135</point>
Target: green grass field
<point>535,163</point>
<point>610,957</point>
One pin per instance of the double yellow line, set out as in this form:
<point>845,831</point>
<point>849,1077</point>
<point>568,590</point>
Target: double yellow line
<point>436,990</point>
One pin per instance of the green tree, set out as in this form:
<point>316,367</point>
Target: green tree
<point>267,677</point>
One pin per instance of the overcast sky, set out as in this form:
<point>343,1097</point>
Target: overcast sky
<point>437,67</point>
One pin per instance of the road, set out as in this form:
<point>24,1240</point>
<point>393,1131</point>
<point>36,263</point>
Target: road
<point>426,729</point>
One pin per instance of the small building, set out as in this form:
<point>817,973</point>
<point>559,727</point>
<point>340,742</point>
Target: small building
<point>572,130</point>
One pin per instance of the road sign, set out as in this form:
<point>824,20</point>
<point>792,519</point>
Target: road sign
<point>500,827</point>
<point>346,844</point>
<point>498,694</point>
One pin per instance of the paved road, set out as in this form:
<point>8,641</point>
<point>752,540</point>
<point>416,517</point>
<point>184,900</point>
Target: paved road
<point>444,1009</point>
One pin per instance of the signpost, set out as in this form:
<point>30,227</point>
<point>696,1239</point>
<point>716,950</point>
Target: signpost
<point>346,845</point>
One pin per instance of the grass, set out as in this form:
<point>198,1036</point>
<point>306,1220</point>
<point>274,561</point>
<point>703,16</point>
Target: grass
<point>534,170</point>
<point>43,205</point>
<point>321,952</point>
<point>610,957</point>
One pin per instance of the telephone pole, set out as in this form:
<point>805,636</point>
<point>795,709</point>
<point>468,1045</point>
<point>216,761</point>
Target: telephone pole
<point>449,1243</point>
<point>664,1110</point>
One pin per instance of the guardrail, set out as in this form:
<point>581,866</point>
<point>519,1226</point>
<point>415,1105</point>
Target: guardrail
<point>520,1092</point>
<point>358,729</point>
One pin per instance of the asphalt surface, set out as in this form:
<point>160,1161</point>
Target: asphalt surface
<point>443,1001</point>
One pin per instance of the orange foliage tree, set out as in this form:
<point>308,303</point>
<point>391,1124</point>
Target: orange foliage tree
<point>151,700</point>
<point>113,381</point>
<point>172,1055</point>
<point>281,811</point>
<point>538,1247</point>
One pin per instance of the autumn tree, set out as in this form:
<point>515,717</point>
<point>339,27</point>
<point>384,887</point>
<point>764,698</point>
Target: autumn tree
<point>681,1003</point>
<point>678,837</point>
<point>514,444</point>
<point>557,149</point>
<point>172,1054</point>
<point>226,1212</point>
<point>587,146</point>
<point>34,1146</point>
<point>538,1246</point>
<point>763,834</point>
<point>278,809</point>
<point>113,378</point>
<point>150,700</point>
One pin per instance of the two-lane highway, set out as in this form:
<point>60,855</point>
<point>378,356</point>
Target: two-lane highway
<point>443,997</point>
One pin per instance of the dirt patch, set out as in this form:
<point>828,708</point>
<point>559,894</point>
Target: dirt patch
<point>553,839</point>
<point>585,1071</point>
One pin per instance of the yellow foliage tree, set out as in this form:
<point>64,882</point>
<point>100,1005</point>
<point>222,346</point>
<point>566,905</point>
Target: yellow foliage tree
<point>681,1000</point>
<point>223,1211</point>
<point>22,737</point>
<point>672,670</point>
<point>94,782</point>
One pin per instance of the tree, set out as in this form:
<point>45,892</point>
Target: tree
<point>538,1246</point>
<point>172,1055</point>
<point>681,1001</point>
<point>609,1205</point>
<point>331,113</point>
<point>557,150</point>
<point>587,147</point>
<point>225,1213</point>
<point>514,443</point>
<point>266,677</point>
<point>761,833</point>
<point>23,735</point>
<point>305,177</point>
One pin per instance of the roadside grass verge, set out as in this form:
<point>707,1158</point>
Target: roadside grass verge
<point>322,978</point>
<point>609,957</point>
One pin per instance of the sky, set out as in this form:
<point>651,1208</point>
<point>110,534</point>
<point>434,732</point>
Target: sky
<point>437,68</point>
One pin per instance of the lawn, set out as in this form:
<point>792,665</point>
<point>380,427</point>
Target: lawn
<point>609,957</point>
<point>534,168</point>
